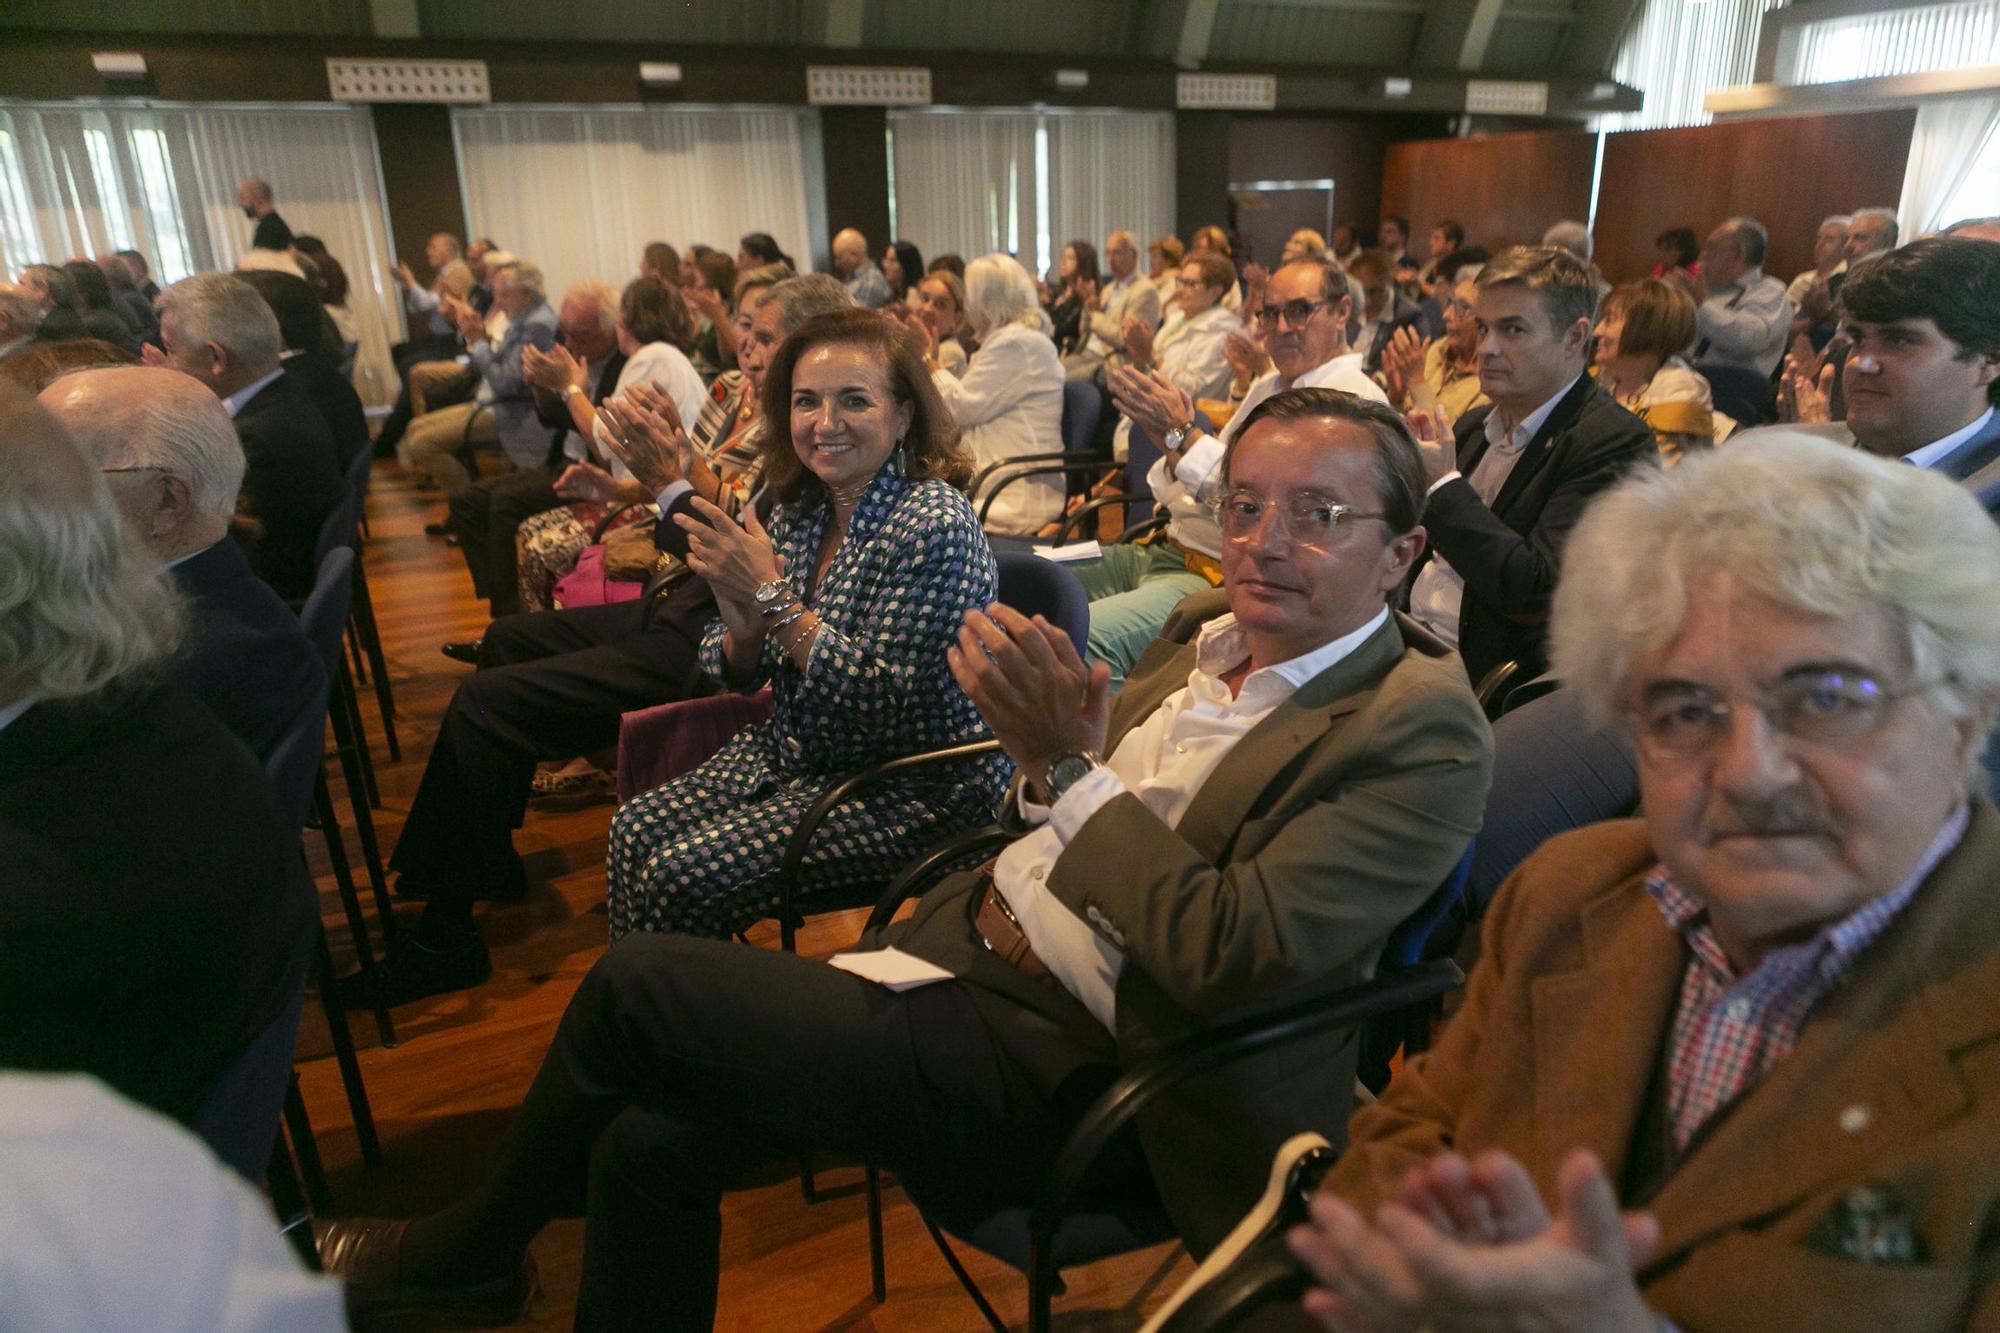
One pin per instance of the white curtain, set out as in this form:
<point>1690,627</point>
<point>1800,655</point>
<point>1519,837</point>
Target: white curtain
<point>582,191</point>
<point>1951,151</point>
<point>79,179</point>
<point>1900,41</point>
<point>1027,182</point>
<point>1678,51</point>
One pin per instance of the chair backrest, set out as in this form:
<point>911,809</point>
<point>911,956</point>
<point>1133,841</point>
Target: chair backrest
<point>1740,391</point>
<point>359,473</point>
<point>1083,404</point>
<point>1035,586</point>
<point>1406,942</point>
<point>324,616</point>
<point>238,1119</point>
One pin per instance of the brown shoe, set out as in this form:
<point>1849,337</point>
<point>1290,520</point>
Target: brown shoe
<point>365,1252</point>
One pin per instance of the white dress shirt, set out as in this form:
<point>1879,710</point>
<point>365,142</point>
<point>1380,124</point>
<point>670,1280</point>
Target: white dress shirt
<point>1009,403</point>
<point>1745,323</point>
<point>1938,450</point>
<point>235,402</point>
<point>1194,481</point>
<point>656,363</point>
<point>1439,591</point>
<point>1189,351</point>
<point>1164,761</point>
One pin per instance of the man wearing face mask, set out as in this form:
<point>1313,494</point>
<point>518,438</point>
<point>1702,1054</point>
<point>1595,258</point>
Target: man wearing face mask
<point>253,196</point>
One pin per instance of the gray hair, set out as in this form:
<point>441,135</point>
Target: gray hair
<point>803,298</point>
<point>1751,238</point>
<point>1800,520</point>
<point>1839,220</point>
<point>999,292</point>
<point>1886,215</point>
<point>1572,236</point>
<point>600,295</point>
<point>223,309</point>
<point>83,604</point>
<point>520,273</point>
<point>158,418</point>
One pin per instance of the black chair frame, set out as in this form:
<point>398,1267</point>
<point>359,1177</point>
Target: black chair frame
<point>1020,469</point>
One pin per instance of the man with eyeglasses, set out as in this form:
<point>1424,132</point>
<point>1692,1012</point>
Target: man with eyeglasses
<point>1294,770</point>
<point>1729,1065</point>
<point>1302,343</point>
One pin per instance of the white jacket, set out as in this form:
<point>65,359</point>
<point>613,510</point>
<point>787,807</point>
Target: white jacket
<point>1008,403</point>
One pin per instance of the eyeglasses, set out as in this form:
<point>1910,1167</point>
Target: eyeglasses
<point>1309,520</point>
<point>1294,313</point>
<point>1188,282</point>
<point>1822,709</point>
<point>142,467</point>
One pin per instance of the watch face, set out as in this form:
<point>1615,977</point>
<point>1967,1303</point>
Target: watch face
<point>1065,772</point>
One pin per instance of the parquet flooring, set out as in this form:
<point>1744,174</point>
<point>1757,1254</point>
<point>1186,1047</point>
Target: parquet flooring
<point>446,1091</point>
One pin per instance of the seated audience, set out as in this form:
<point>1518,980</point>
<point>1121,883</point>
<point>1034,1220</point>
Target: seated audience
<point>20,319</point>
<point>1142,906</point>
<point>757,249</point>
<point>217,328</point>
<point>1188,348</point>
<point>1213,240</point>
<point>441,253</point>
<point>1107,303</point>
<point>1009,400</point>
<point>36,367</point>
<point>950,263</point>
<point>1076,280</point>
<point>503,408</point>
<point>142,274</point>
<point>1721,1067</point>
<point>1923,368</point>
<point>902,265</point>
<point>1384,310</point>
<point>661,261</point>
<point>1642,329</point>
<point>708,294</point>
<point>1506,490</point>
<point>1678,254</point>
<point>1975,229</point>
<point>485,517</point>
<point>553,685</point>
<point>1812,292</point>
<point>652,329</point>
<point>1133,587</point>
<point>254,197</point>
<point>153,917</point>
<point>312,358</point>
<point>1423,375</point>
<point>174,466</point>
<point>850,635</point>
<point>1742,315</point>
<point>67,314</point>
<point>1303,244</point>
<point>1447,237</point>
<point>125,291</point>
<point>329,284</point>
<point>1163,268</point>
<point>941,305</point>
<point>1392,238</point>
<point>112,1218</point>
<point>1344,244</point>
<point>852,265</point>
<point>1870,231</point>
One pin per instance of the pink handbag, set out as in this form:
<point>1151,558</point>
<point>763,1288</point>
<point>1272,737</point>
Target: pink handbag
<point>586,585</point>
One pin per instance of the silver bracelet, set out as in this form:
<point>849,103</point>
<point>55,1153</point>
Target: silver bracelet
<point>778,608</point>
<point>772,629</point>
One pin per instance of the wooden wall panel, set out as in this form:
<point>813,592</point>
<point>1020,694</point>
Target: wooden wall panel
<point>1503,188</point>
<point>1786,172</point>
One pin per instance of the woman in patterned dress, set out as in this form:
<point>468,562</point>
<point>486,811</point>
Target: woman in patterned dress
<point>845,607</point>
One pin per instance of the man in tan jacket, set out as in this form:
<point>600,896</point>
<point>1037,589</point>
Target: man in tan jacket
<point>1764,1020</point>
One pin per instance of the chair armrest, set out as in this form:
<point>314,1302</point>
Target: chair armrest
<point>604,524</point>
<point>1019,470</point>
<point>979,478</point>
<point>1157,523</point>
<point>1076,516</point>
<point>1492,687</point>
<point>916,877</point>
<point>838,794</point>
<point>1140,1086</point>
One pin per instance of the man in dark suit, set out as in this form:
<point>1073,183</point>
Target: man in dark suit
<point>253,196</point>
<point>1506,491</point>
<point>152,923</point>
<point>1253,816</point>
<point>1384,308</point>
<point>174,466</point>
<point>217,328</point>
<point>312,358</point>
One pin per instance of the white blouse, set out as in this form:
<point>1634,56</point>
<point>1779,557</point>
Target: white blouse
<point>1008,402</point>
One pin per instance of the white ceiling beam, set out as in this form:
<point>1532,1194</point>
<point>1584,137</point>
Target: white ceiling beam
<point>1197,26</point>
<point>394,18</point>
<point>843,22</point>
<point>1478,34</point>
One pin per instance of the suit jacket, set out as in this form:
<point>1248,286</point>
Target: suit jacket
<point>292,481</point>
<point>333,396</point>
<point>1895,1084</point>
<point>1972,462</point>
<point>244,655</point>
<point>502,386</point>
<point>1106,325</point>
<point>1403,313</point>
<point>153,920</point>
<point>1325,826</point>
<point>1509,555</point>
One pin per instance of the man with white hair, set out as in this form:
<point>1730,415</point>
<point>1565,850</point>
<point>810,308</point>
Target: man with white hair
<point>153,920</point>
<point>20,319</point>
<point>1870,231</point>
<point>216,328</point>
<point>503,407</point>
<point>865,280</point>
<point>1726,1066</point>
<point>171,457</point>
<point>1575,237</point>
<point>1742,315</point>
<point>253,196</point>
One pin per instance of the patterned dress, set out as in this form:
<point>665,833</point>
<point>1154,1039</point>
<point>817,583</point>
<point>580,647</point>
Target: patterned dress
<point>698,855</point>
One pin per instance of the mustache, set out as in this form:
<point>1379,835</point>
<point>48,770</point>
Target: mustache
<point>1789,813</point>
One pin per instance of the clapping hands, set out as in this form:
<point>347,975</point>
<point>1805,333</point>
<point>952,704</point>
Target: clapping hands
<point>643,428</point>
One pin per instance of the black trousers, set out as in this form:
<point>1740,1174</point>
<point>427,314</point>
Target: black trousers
<point>550,685</point>
<point>484,516</point>
<point>685,1067</point>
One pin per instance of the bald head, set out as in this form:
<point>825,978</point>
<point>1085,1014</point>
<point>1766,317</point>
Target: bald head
<point>166,445</point>
<point>254,196</point>
<point>850,250</point>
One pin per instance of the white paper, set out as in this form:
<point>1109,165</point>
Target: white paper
<point>890,967</point>
<point>1062,555</point>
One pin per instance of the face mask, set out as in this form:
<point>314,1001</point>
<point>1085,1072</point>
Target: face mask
<point>249,211</point>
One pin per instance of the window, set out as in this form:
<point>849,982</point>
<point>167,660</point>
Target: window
<point>1678,51</point>
<point>1901,41</point>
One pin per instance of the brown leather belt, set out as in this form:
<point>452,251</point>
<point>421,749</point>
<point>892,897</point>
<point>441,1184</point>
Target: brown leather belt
<point>1001,933</point>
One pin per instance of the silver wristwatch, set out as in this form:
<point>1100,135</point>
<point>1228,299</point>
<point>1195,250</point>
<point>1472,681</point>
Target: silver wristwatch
<point>1065,771</point>
<point>1177,438</point>
<point>772,595</point>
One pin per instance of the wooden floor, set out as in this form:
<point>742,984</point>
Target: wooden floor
<point>462,1062</point>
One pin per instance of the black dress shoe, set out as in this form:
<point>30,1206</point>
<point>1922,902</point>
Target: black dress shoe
<point>413,970</point>
<point>435,529</point>
<point>365,1253</point>
<point>465,650</point>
